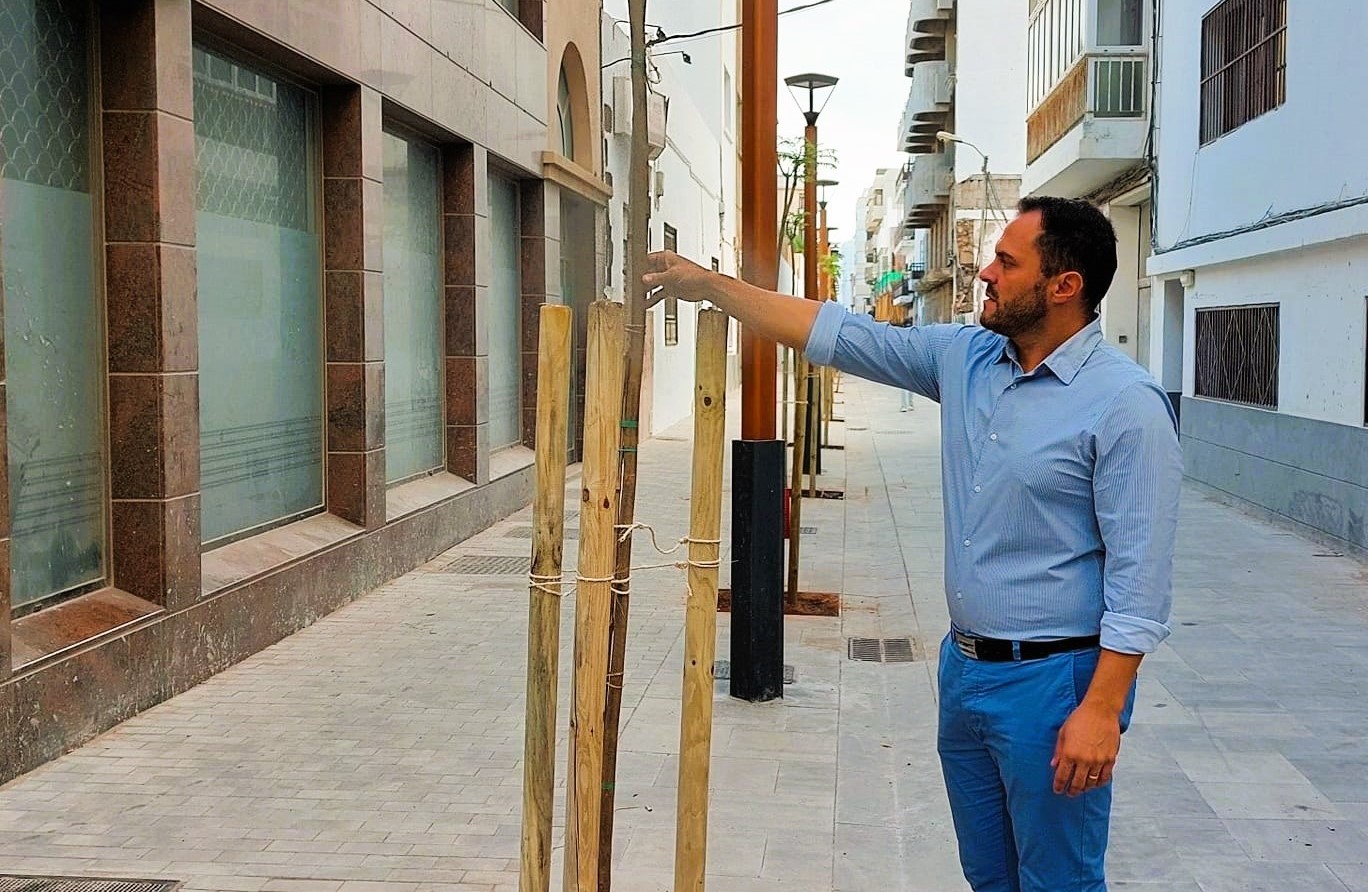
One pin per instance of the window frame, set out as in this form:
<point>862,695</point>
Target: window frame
<point>1224,79</point>
<point>671,303</point>
<point>213,42</point>
<point>1198,390</point>
<point>95,118</point>
<point>391,127</point>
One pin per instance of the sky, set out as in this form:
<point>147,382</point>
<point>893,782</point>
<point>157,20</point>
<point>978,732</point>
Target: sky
<point>860,42</point>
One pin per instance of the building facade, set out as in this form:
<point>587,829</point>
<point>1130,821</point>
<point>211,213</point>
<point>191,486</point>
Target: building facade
<point>961,192</point>
<point>694,196</point>
<point>1087,134</point>
<point>1261,234</point>
<point>271,276</point>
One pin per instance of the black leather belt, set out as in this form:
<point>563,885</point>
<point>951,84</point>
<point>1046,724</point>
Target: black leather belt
<point>999,650</point>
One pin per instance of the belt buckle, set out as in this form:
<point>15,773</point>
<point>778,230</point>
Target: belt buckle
<point>967,645</point>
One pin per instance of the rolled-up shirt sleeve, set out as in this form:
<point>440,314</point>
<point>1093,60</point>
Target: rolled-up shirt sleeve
<point>909,358</point>
<point>1136,483</point>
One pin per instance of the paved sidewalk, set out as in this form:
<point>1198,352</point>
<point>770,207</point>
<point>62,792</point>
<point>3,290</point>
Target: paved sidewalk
<point>380,749</point>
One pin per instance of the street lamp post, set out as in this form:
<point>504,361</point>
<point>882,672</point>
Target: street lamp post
<point>986,190</point>
<point>817,88</point>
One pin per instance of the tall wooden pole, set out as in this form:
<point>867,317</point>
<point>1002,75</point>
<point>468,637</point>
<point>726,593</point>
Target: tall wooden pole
<point>593,604</point>
<point>795,493</point>
<point>759,204</point>
<point>804,398</point>
<point>700,625</point>
<point>634,294</point>
<point>544,597</point>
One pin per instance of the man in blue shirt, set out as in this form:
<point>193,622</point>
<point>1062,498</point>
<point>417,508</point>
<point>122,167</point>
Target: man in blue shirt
<point>1061,473</point>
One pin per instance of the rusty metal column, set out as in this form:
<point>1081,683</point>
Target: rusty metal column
<point>757,630</point>
<point>759,204</point>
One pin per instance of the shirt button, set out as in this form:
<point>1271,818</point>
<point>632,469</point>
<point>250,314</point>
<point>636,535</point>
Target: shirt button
<point>978,489</point>
<point>992,436</point>
<point>968,542</point>
<point>1013,387</point>
<point>959,596</point>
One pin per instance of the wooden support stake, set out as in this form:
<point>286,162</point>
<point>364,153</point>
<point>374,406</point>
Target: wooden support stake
<point>800,409</point>
<point>544,597</point>
<point>814,433</point>
<point>594,598</point>
<point>784,403</point>
<point>700,625</point>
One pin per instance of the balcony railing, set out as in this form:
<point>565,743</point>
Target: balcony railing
<point>1102,84</point>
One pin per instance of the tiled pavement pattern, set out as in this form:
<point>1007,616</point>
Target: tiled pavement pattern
<point>379,749</point>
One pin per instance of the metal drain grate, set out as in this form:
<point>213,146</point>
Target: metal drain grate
<point>722,672</point>
<point>486,565</point>
<point>885,650</point>
<point>14,883</point>
<point>526,533</point>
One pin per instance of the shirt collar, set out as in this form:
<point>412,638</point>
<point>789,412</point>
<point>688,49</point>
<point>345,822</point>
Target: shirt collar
<point>1068,358</point>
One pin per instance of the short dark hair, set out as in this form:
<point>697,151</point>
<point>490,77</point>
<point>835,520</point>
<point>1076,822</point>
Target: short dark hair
<point>1075,237</point>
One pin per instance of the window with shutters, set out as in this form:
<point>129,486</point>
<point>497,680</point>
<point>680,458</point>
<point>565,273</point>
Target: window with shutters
<point>671,303</point>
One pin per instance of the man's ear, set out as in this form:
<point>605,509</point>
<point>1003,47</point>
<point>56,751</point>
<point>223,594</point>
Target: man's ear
<point>1066,287</point>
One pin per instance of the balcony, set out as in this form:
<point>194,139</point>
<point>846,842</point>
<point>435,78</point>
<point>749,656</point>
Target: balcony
<point>927,25</point>
<point>874,218</point>
<point>928,107</point>
<point>928,190</point>
<point>1088,91</point>
<point>1091,128</point>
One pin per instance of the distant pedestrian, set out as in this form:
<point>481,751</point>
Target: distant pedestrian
<point>1061,471</point>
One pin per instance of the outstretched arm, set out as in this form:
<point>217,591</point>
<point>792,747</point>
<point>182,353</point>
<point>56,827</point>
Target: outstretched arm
<point>774,317</point>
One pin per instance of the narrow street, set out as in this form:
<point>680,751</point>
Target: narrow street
<point>380,749</point>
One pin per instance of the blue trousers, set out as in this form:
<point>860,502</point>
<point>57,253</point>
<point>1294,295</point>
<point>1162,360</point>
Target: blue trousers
<point>999,723</point>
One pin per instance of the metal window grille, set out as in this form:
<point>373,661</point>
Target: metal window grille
<point>671,303</point>
<point>1237,355</point>
<point>1244,63</point>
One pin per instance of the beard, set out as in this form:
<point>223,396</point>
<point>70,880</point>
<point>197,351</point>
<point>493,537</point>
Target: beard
<point>1017,317</point>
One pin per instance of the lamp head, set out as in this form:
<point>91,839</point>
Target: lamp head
<point>812,84</point>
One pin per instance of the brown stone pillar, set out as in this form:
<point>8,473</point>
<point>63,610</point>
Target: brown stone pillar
<point>149,210</point>
<point>540,275</point>
<point>353,167</point>
<point>465,218</point>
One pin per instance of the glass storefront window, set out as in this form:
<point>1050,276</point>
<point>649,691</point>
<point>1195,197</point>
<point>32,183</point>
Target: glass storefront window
<point>413,311</point>
<point>260,311</point>
<point>54,332</point>
<point>505,315</point>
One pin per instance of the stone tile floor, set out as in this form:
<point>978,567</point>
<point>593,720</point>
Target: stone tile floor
<point>380,749</point>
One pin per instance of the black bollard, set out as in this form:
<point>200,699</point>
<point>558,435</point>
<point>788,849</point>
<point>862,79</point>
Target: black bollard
<point>757,603</point>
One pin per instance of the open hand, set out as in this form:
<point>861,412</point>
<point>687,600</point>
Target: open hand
<point>672,276</point>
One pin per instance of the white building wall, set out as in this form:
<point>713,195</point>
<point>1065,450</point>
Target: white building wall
<point>1322,314</point>
<point>692,184</point>
<point>1303,154</point>
<point>990,86</point>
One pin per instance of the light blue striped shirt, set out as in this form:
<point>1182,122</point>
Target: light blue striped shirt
<point>1061,486</point>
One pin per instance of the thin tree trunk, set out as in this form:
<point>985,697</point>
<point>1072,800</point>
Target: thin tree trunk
<point>634,293</point>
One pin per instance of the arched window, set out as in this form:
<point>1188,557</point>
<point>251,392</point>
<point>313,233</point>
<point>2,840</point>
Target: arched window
<point>565,114</point>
